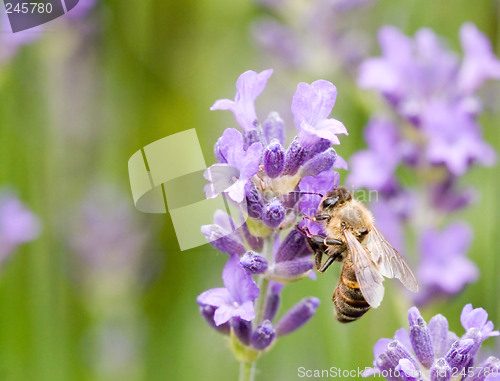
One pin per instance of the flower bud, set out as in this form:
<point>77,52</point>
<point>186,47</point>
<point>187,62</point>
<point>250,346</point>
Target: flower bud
<point>440,371</point>
<point>319,163</point>
<point>253,135</point>
<point>218,154</point>
<point>420,338</point>
<point>222,240</point>
<point>273,213</point>
<point>407,371</point>
<point>490,366</point>
<point>208,314</point>
<point>263,335</point>
<point>256,243</point>
<point>288,270</point>
<point>438,328</point>
<point>295,156</point>
<point>274,158</point>
<point>457,357</point>
<point>242,329</point>
<point>297,316</point>
<point>320,146</point>
<point>396,352</point>
<point>272,301</point>
<point>274,128</point>
<point>293,246</point>
<point>254,201</point>
<point>254,263</point>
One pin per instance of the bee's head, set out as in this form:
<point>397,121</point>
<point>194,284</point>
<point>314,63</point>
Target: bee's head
<point>335,198</point>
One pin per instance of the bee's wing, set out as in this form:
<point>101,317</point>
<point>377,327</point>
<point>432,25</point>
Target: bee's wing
<point>388,260</point>
<point>367,273</point>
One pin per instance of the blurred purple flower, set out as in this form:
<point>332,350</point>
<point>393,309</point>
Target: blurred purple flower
<point>17,225</point>
<point>236,299</point>
<point>454,139</point>
<point>248,87</point>
<point>444,267</point>
<point>375,167</point>
<point>317,37</point>
<point>479,62</point>
<point>104,232</point>
<point>439,140</point>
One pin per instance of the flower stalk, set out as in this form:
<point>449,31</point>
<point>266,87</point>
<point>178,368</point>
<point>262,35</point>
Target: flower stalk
<point>266,250</point>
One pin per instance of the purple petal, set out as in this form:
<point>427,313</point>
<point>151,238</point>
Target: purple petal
<point>248,87</point>
<point>237,191</point>
<point>381,346</point>
<point>321,184</point>
<point>477,318</point>
<point>239,283</point>
<point>214,297</point>
<point>274,128</point>
<point>311,106</point>
<point>313,103</point>
<point>249,165</point>
<point>231,147</point>
<point>221,177</point>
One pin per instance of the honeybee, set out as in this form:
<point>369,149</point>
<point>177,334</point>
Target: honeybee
<point>352,238</point>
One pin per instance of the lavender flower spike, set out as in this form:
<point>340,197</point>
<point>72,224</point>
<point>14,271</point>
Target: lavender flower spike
<point>311,106</point>
<point>248,87</point>
<point>236,299</point>
<point>453,356</point>
<point>480,62</point>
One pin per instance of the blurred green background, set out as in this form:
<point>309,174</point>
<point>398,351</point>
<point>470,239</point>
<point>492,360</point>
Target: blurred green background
<point>75,105</point>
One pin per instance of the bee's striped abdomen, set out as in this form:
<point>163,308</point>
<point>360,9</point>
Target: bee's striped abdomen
<point>349,302</point>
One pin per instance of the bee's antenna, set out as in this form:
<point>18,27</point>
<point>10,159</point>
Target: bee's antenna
<point>316,193</point>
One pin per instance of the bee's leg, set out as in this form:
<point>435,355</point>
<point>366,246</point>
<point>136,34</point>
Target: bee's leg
<point>322,217</point>
<point>327,263</point>
<point>332,241</point>
<point>318,258</point>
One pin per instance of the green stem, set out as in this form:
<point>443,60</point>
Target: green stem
<point>260,304</point>
<point>261,301</point>
<point>247,363</point>
<point>247,371</point>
